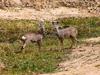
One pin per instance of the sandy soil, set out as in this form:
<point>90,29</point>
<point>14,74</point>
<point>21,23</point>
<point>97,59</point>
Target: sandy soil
<point>50,14</point>
<point>85,60</point>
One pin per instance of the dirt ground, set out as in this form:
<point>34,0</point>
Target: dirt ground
<point>50,14</point>
<point>85,60</point>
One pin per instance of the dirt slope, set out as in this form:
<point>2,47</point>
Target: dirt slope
<point>48,9</point>
<point>50,14</point>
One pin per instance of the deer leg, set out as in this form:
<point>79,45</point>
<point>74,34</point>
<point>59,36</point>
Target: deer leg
<point>61,42</point>
<point>25,43</point>
<point>74,41</point>
<point>39,44</point>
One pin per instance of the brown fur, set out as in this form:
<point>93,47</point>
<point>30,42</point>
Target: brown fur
<point>34,37</point>
<point>69,32</point>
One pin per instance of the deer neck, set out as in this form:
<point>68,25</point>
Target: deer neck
<point>57,29</point>
<point>42,32</point>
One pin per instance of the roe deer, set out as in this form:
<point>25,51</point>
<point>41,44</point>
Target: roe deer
<point>34,36</point>
<point>69,32</point>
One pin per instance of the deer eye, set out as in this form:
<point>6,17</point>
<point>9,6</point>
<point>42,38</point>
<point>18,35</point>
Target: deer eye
<point>57,22</point>
<point>53,22</point>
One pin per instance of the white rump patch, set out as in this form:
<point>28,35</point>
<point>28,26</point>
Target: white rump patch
<point>23,37</point>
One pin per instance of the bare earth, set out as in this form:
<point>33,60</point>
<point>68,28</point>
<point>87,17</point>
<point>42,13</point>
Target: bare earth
<point>49,14</point>
<point>85,60</point>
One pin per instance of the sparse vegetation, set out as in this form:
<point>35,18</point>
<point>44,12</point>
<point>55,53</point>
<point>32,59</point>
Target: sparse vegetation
<point>91,5</point>
<point>33,60</point>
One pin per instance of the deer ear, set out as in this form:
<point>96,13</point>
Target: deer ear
<point>57,22</point>
<point>53,22</point>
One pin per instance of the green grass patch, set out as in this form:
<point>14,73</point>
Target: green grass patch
<point>48,58</point>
